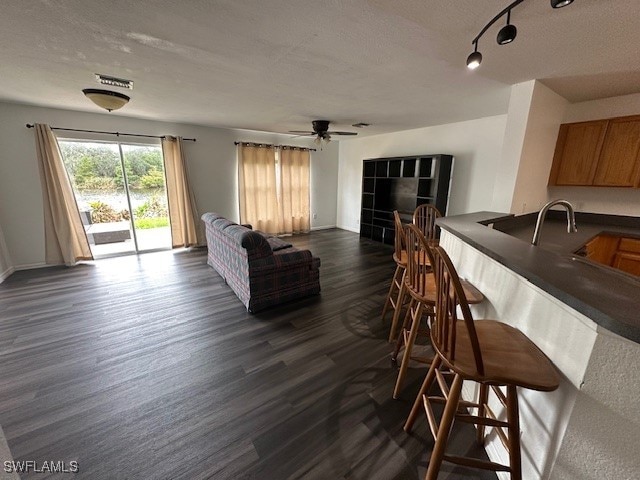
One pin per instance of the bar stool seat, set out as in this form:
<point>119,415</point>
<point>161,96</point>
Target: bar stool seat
<point>508,357</point>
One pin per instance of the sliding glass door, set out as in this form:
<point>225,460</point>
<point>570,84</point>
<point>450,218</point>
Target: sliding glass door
<point>121,195</point>
<point>144,168</point>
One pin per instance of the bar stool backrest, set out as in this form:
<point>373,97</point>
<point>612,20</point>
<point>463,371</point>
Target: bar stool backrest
<point>419,261</point>
<point>398,240</point>
<point>450,295</point>
<point>424,217</point>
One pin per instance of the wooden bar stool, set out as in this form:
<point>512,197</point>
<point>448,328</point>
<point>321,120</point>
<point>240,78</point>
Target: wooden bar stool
<point>489,352</point>
<point>424,217</point>
<point>419,283</point>
<point>395,295</point>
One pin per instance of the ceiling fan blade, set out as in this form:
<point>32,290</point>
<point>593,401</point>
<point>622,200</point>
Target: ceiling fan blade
<point>304,135</point>
<point>342,133</point>
<point>302,132</point>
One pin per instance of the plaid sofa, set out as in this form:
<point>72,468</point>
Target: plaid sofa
<point>261,269</point>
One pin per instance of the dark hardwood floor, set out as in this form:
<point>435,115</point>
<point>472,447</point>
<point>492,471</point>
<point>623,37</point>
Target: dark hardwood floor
<point>149,367</point>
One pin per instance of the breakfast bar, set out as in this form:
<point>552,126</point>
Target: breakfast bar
<point>583,316</point>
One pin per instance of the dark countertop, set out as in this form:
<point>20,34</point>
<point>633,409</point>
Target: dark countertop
<point>609,297</point>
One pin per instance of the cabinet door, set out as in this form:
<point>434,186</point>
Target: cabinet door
<point>577,151</point>
<point>619,164</point>
<point>628,262</point>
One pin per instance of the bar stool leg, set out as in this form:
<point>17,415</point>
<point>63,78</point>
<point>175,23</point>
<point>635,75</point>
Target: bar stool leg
<point>424,389</point>
<point>402,291</point>
<point>405,326</point>
<point>444,429</point>
<point>416,316</point>
<point>513,418</point>
<point>483,398</point>
<point>394,281</point>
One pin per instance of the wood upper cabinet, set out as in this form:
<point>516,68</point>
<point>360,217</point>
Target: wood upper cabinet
<point>619,164</point>
<point>600,153</point>
<point>577,152</point>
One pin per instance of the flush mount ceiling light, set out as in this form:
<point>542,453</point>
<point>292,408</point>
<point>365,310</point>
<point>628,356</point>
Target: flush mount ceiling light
<point>507,34</point>
<point>106,98</point>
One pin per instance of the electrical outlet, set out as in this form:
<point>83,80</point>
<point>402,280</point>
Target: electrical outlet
<point>315,215</point>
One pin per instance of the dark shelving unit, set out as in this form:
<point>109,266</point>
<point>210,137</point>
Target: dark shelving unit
<point>401,183</point>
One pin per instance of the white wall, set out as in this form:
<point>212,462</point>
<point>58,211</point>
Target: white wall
<point>6,265</point>
<point>618,201</point>
<point>211,160</point>
<point>515,131</point>
<point>475,144</point>
<point>604,108</point>
<point>543,123</point>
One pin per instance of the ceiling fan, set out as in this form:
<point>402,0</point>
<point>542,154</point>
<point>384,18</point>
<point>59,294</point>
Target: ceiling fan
<point>320,131</point>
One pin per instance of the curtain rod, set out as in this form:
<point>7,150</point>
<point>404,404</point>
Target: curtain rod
<point>275,146</point>
<point>117,134</point>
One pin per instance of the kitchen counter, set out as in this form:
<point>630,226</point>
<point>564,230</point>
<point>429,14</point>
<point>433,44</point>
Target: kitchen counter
<point>609,297</point>
<point>583,316</point>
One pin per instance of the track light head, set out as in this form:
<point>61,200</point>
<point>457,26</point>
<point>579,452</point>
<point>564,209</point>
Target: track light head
<point>474,60</point>
<point>507,34</point>
<point>560,3</point>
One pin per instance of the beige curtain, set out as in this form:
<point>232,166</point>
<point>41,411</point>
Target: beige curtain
<point>186,230</point>
<point>257,187</point>
<point>65,237</point>
<point>294,191</point>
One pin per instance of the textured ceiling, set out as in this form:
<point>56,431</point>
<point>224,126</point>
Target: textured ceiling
<point>276,65</point>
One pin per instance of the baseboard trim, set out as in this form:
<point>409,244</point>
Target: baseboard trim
<point>323,227</point>
<point>4,275</point>
<point>349,229</point>
<point>31,266</point>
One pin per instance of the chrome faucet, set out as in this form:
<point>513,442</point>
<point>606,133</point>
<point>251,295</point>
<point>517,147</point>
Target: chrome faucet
<point>571,219</point>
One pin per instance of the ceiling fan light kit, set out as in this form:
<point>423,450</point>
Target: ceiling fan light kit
<point>507,34</point>
<point>321,132</point>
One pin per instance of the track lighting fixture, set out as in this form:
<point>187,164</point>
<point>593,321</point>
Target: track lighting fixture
<point>475,59</point>
<point>507,34</point>
<point>560,3</point>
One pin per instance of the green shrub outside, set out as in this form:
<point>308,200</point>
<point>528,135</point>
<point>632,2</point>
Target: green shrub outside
<point>147,223</point>
<point>152,208</point>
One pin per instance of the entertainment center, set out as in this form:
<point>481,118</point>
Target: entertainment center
<point>401,183</point>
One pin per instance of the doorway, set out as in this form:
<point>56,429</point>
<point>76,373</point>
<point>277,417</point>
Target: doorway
<point>121,194</point>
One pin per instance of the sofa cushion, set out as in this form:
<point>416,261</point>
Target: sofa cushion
<point>254,243</point>
<point>222,223</point>
<point>209,217</point>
